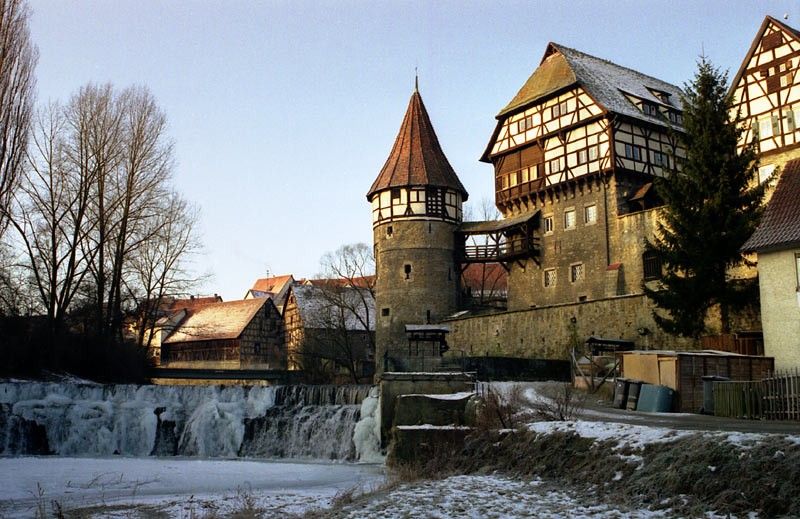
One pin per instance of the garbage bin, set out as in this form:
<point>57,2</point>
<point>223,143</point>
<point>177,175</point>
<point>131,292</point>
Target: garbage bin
<point>634,387</point>
<point>655,399</point>
<point>620,393</point>
<point>708,392</point>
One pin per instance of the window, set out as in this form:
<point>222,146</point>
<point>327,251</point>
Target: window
<point>590,214</point>
<point>633,152</point>
<point>660,159</point>
<point>525,124</point>
<point>765,127</point>
<point>384,312</point>
<point>434,201</point>
<point>550,278</point>
<point>594,152</point>
<point>407,269</point>
<point>576,272</point>
<point>650,109</point>
<point>395,193</point>
<point>675,117</point>
<point>389,231</point>
<point>257,348</point>
<point>652,266</point>
<point>569,219</point>
<point>555,165</point>
<point>797,271</point>
<point>583,156</point>
<point>548,224</point>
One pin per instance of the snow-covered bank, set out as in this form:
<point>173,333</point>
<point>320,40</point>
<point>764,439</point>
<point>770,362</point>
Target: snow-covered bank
<point>178,487</point>
<point>68,419</point>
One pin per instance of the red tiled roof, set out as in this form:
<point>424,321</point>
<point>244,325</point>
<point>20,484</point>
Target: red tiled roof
<point>780,225</point>
<point>273,284</point>
<point>216,321</point>
<point>486,277</point>
<point>358,282</point>
<point>173,305</point>
<point>417,158</point>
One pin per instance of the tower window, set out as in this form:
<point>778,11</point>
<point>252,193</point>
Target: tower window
<point>428,316</point>
<point>384,312</point>
<point>407,269</point>
<point>395,193</point>
<point>389,231</point>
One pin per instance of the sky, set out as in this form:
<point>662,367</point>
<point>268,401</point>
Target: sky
<point>283,112</point>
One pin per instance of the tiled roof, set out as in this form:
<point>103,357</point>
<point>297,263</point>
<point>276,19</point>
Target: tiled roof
<point>169,306</point>
<point>605,81</point>
<point>217,321</point>
<point>417,158</point>
<point>273,284</point>
<point>485,277</point>
<point>780,225</point>
<point>318,307</point>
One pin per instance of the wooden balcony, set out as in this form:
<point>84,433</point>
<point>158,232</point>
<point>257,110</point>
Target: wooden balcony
<point>500,252</point>
<point>519,191</point>
<point>503,241</point>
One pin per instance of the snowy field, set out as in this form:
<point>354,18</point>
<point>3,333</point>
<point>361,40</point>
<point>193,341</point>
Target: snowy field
<point>131,487</point>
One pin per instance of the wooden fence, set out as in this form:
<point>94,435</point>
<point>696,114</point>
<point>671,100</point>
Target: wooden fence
<point>776,397</point>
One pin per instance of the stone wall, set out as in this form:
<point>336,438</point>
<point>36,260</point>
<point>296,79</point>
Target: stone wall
<point>550,332</point>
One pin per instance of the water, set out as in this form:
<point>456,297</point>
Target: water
<point>80,419</point>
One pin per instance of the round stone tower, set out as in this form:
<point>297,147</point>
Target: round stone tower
<point>416,208</point>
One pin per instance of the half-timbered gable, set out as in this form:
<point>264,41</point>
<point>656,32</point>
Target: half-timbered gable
<point>580,145</point>
<point>766,92</point>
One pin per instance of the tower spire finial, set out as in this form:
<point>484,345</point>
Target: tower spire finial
<point>416,80</point>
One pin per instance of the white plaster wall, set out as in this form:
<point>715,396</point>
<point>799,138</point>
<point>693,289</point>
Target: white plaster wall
<point>780,307</point>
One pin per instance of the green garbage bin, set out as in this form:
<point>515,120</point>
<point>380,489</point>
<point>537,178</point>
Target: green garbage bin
<point>655,399</point>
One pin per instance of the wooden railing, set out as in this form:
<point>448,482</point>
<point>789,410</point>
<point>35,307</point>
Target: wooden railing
<point>499,251</point>
<point>775,398</point>
<point>519,191</point>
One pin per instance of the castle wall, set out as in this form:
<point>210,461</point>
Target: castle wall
<point>549,332</point>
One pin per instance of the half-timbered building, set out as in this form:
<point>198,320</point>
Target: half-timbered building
<point>246,334</point>
<point>766,93</point>
<point>575,153</point>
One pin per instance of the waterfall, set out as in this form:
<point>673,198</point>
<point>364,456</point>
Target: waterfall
<point>81,419</point>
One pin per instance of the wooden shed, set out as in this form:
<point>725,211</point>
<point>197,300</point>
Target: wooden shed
<point>683,371</point>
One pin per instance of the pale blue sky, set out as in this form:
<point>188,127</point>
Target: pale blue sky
<point>283,112</point>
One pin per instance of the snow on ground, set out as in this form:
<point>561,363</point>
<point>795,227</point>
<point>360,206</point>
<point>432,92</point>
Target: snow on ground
<point>179,486</point>
<point>481,497</point>
<point>637,436</point>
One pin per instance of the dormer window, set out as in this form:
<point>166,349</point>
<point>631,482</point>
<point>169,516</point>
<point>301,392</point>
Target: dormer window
<point>675,117</point>
<point>650,109</point>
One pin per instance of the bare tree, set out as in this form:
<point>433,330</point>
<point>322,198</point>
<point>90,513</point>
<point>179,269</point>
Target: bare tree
<point>347,313</point>
<point>18,57</point>
<point>159,269</point>
<point>53,220</point>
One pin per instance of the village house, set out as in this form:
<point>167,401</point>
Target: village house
<point>330,332</point>
<point>766,93</point>
<point>276,288</point>
<point>246,334</point>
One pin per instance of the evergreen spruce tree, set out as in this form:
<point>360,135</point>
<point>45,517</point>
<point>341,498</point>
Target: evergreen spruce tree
<point>712,205</point>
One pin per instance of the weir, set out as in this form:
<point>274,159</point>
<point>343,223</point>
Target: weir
<point>76,419</point>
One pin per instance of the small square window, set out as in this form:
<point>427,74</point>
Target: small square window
<point>660,159</point>
<point>384,312</point>
<point>550,278</point>
<point>576,273</point>
<point>590,214</point>
<point>395,193</point>
<point>555,165</point>
<point>569,219</point>
<point>548,224</point>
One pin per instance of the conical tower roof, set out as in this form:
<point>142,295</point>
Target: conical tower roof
<point>417,158</point>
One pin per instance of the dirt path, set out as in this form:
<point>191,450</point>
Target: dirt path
<point>601,411</point>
